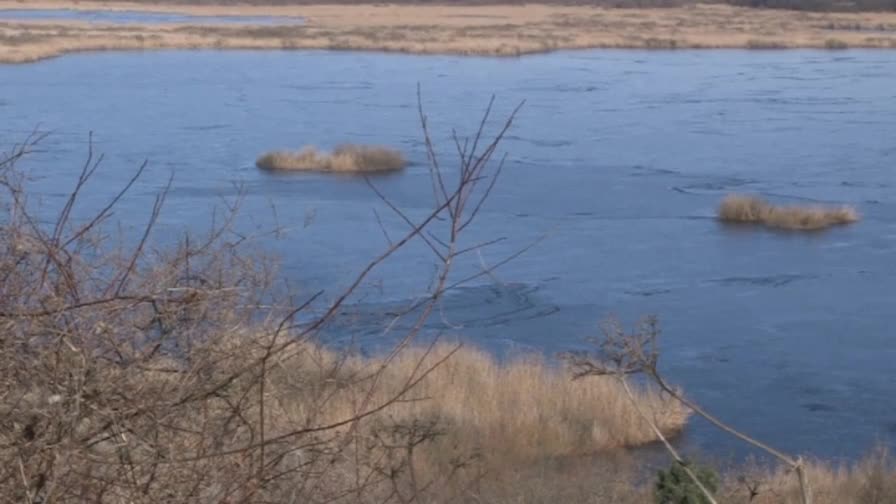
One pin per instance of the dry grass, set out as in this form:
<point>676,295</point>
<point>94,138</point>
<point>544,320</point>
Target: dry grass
<point>343,159</point>
<point>750,209</point>
<point>523,410</point>
<point>496,30</point>
<point>497,418</point>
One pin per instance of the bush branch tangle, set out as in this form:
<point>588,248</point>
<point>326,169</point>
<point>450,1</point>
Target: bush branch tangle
<point>621,354</point>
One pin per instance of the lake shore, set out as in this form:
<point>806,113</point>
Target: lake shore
<point>486,30</point>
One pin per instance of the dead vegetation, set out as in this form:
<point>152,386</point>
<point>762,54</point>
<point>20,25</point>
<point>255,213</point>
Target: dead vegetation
<point>526,410</point>
<point>753,210</point>
<point>343,159</point>
<point>493,30</point>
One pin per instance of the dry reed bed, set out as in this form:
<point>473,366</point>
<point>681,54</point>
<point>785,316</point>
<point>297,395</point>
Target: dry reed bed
<point>518,411</point>
<point>343,159</point>
<point>498,30</point>
<point>753,210</point>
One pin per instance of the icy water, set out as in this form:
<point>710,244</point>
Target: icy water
<point>140,17</point>
<point>616,164</point>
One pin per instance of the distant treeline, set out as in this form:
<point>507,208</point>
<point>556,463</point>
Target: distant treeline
<point>820,5</point>
<point>806,5</point>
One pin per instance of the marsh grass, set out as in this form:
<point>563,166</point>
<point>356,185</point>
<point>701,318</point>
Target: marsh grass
<point>510,414</point>
<point>526,409</point>
<point>345,158</point>
<point>737,208</point>
<point>465,29</point>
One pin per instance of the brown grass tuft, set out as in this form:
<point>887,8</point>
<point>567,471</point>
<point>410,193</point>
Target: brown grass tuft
<point>751,209</point>
<point>344,159</point>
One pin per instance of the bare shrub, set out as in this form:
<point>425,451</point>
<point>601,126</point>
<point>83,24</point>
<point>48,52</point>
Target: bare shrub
<point>344,159</point>
<point>750,209</point>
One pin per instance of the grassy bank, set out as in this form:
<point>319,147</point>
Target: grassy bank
<point>497,30</point>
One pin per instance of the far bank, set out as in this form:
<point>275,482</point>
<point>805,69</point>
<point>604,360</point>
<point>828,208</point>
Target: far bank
<point>487,30</point>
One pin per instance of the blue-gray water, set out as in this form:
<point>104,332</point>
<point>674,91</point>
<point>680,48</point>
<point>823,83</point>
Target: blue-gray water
<point>618,160</point>
<point>131,17</point>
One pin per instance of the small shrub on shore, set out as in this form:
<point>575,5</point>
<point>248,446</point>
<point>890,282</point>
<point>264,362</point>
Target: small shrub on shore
<point>675,486</point>
<point>835,44</point>
<point>751,209</point>
<point>344,159</point>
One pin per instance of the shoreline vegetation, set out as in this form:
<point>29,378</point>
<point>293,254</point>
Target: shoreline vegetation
<point>741,209</point>
<point>484,30</point>
<point>346,158</point>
